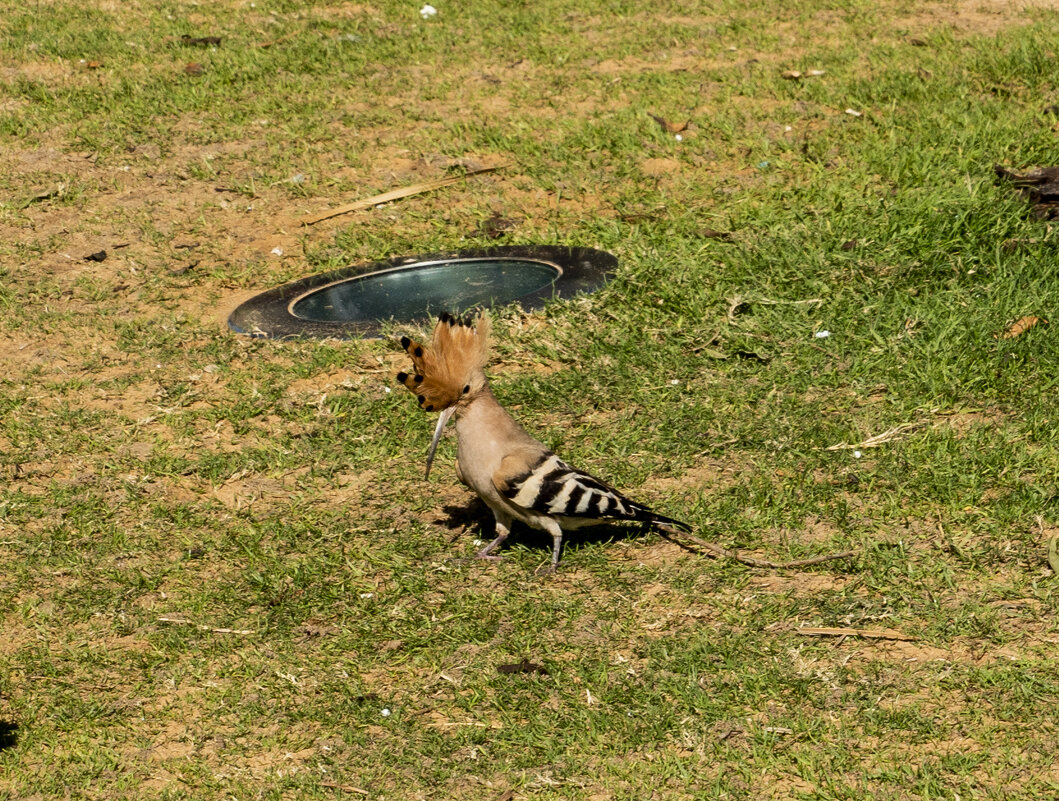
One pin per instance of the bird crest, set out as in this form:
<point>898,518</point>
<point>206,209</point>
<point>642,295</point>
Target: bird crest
<point>447,368</point>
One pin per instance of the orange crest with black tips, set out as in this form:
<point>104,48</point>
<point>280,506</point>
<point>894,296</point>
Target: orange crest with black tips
<point>450,365</point>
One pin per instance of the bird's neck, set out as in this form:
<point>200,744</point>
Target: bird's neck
<point>484,413</point>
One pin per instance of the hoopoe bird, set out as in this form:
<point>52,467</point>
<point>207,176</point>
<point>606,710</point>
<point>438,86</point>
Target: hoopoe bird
<point>516,476</point>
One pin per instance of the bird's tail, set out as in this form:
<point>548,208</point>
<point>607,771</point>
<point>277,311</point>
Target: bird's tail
<point>666,523</point>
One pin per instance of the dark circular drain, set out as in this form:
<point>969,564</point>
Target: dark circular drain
<point>356,301</point>
<point>409,292</point>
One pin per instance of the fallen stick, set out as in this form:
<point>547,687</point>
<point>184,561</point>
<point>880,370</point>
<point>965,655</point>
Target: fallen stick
<point>873,634</point>
<point>283,38</point>
<point>348,788</point>
<point>880,439</point>
<point>178,621</point>
<point>752,561</point>
<point>395,194</point>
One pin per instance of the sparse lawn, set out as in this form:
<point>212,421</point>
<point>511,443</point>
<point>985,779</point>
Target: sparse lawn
<point>221,573</point>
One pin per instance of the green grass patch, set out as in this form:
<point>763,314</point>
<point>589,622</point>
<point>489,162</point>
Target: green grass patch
<point>221,573</point>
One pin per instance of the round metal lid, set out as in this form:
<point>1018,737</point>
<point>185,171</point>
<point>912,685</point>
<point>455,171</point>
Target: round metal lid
<point>357,301</point>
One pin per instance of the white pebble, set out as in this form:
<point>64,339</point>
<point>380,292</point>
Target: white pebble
<point>857,454</point>
<point>680,138</point>
<point>428,11</point>
<point>822,334</point>
<point>277,251</point>
<point>853,113</point>
<point>386,713</point>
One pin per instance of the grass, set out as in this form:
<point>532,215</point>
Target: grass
<point>221,574</point>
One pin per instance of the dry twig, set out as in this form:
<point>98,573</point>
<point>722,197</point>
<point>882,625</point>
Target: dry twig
<point>880,439</point>
<point>395,194</point>
<point>179,621</point>
<point>283,38</point>
<point>751,561</point>
<point>806,301</point>
<point>347,788</point>
<point>873,634</point>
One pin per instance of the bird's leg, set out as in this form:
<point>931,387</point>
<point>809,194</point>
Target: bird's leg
<point>557,545</point>
<point>503,528</point>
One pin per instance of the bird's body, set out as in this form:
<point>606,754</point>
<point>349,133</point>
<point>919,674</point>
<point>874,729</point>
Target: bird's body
<point>516,476</point>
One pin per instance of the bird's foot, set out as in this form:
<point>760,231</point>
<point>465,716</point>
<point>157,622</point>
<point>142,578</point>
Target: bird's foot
<point>546,570</point>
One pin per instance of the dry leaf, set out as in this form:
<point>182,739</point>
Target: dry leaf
<point>1053,554</point>
<point>93,65</point>
<point>1040,185</point>
<point>671,127</point>
<point>791,75</point>
<point>639,216</point>
<point>710,233</point>
<point>494,226</point>
<point>525,666</point>
<point>200,41</point>
<point>1019,327</point>
<point>194,68</point>
<point>713,353</point>
<point>42,195</point>
<point>1011,245</point>
<point>750,355</point>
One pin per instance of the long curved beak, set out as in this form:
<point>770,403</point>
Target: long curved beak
<point>442,421</point>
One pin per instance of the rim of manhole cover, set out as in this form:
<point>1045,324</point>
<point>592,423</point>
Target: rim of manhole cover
<point>359,301</point>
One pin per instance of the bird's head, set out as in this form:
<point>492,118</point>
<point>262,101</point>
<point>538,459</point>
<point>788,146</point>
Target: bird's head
<point>449,372</point>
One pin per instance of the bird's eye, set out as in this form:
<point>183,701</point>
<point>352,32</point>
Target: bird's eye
<point>466,389</point>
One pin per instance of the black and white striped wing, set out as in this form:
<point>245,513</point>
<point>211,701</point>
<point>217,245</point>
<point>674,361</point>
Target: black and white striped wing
<point>552,487</point>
